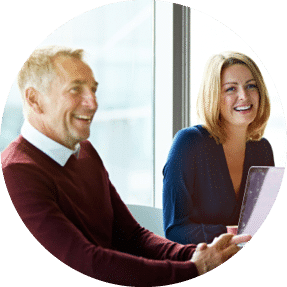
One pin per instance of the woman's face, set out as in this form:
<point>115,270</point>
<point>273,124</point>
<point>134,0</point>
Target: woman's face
<point>239,99</point>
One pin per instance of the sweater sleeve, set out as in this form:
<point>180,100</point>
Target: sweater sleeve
<point>35,200</point>
<point>179,173</point>
<point>134,239</point>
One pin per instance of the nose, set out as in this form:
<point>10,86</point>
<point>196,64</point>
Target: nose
<point>90,100</point>
<point>243,94</point>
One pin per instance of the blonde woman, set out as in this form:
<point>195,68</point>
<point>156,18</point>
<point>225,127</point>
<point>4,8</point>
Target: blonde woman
<point>206,170</point>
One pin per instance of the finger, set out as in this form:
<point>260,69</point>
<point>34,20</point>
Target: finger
<point>215,239</point>
<point>201,246</point>
<point>237,239</point>
<point>222,240</point>
<point>229,252</point>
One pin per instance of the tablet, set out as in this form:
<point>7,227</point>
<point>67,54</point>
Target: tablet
<point>261,189</point>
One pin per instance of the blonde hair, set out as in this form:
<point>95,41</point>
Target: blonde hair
<point>39,70</point>
<point>208,101</point>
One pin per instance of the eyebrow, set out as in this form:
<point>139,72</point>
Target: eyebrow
<point>80,82</point>
<point>235,83</point>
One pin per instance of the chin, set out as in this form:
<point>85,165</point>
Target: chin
<point>85,137</point>
<point>243,125</point>
<point>80,138</point>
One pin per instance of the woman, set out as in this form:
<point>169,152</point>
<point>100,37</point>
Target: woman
<point>207,167</point>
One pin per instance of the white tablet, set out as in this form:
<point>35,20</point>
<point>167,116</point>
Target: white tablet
<point>262,187</point>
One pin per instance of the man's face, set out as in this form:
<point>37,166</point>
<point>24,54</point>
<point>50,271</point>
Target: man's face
<point>68,108</point>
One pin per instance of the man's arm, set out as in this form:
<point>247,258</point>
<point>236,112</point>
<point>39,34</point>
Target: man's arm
<point>205,257</point>
<point>35,200</point>
<point>134,239</point>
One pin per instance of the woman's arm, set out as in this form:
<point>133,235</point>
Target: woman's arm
<point>180,173</point>
<point>195,233</point>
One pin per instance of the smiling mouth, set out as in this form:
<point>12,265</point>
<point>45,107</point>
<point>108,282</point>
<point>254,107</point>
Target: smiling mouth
<point>85,118</point>
<point>243,108</point>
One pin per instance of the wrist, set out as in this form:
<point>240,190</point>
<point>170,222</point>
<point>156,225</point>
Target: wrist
<point>200,266</point>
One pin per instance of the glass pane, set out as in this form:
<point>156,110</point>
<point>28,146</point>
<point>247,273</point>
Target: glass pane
<point>118,39</point>
<point>163,92</point>
<point>214,38</point>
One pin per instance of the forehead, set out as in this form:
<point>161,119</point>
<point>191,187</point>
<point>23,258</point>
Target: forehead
<point>236,73</point>
<point>72,69</point>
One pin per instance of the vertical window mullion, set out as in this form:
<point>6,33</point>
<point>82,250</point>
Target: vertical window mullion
<point>181,66</point>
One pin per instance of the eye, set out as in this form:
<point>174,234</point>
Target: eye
<point>230,89</point>
<point>251,86</point>
<point>76,89</point>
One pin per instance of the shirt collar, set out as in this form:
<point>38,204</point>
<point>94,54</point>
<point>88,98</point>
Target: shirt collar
<point>54,150</point>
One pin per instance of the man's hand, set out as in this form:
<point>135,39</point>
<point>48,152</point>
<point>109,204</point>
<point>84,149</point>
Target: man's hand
<point>207,257</point>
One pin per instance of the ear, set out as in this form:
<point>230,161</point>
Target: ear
<point>33,99</point>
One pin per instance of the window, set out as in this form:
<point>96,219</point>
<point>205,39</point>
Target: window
<point>147,59</point>
<point>118,39</point>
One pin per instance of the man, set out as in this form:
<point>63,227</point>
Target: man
<point>62,192</point>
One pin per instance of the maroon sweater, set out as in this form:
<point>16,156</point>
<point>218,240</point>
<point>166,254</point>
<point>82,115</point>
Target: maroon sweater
<point>76,214</point>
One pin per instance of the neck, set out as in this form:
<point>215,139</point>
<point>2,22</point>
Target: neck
<point>34,121</point>
<point>236,137</point>
<point>39,125</point>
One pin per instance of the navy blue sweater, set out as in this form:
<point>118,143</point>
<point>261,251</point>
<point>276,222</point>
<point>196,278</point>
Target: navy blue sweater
<point>198,196</point>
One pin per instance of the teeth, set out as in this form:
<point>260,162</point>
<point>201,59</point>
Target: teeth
<point>83,117</point>
<point>242,108</point>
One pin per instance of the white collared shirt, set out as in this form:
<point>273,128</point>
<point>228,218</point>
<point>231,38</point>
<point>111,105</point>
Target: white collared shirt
<point>54,150</point>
